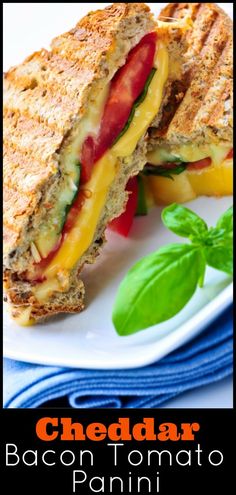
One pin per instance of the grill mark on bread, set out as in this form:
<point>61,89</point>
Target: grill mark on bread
<point>50,69</point>
<point>61,105</point>
<point>178,11</point>
<point>31,137</point>
<point>199,88</point>
<point>17,174</point>
<point>212,49</point>
<point>213,104</point>
<point>50,102</point>
<point>16,207</point>
<point>174,10</point>
<point>169,10</point>
<point>208,78</point>
<point>195,10</point>
<point>205,21</point>
<point>203,17</point>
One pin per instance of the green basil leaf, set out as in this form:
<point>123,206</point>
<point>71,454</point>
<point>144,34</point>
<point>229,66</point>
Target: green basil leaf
<point>226,220</point>
<point>143,95</point>
<point>157,287</point>
<point>183,221</point>
<point>217,237</point>
<point>220,257</point>
<point>163,171</point>
<point>137,102</point>
<point>142,203</point>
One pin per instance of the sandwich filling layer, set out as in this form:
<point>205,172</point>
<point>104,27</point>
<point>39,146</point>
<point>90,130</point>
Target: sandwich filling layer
<point>194,170</point>
<point>91,163</point>
<point>189,153</point>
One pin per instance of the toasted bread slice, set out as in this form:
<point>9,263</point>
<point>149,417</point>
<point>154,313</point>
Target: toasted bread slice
<point>45,99</point>
<point>46,102</point>
<point>196,121</point>
<point>200,105</point>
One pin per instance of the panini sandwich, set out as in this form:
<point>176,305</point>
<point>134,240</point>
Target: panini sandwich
<point>75,124</point>
<point>191,139</point>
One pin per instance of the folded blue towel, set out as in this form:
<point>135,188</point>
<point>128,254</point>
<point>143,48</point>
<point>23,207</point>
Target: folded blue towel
<point>204,360</point>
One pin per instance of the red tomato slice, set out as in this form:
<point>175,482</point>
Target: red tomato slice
<point>198,165</point>
<point>170,165</point>
<point>87,159</point>
<point>230,154</point>
<point>123,223</point>
<point>70,221</point>
<point>126,87</point>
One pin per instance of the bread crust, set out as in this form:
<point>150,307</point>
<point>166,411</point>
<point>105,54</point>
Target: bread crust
<point>45,99</point>
<point>202,109</point>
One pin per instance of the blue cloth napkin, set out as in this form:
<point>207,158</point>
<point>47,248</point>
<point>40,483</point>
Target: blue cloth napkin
<point>204,360</point>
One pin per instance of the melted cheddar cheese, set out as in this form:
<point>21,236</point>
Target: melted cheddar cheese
<point>215,180</point>
<point>189,153</point>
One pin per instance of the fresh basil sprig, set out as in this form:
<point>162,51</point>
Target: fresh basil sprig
<point>158,286</point>
<point>219,244</point>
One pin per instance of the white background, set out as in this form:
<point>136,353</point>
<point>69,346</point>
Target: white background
<point>31,26</point>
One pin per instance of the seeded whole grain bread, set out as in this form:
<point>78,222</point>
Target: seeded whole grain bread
<point>199,107</point>
<point>45,99</point>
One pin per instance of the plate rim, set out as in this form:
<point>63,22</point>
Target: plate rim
<point>173,340</point>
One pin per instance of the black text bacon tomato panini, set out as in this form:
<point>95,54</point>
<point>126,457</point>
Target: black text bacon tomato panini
<point>75,120</point>
<point>191,140</point>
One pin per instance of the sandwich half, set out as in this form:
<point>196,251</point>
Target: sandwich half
<point>191,139</point>
<point>75,125</point>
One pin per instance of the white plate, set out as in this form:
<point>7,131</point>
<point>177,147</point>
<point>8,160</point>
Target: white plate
<point>88,340</point>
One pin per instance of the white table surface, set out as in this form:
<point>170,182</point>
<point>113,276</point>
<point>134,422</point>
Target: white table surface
<point>27,28</point>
